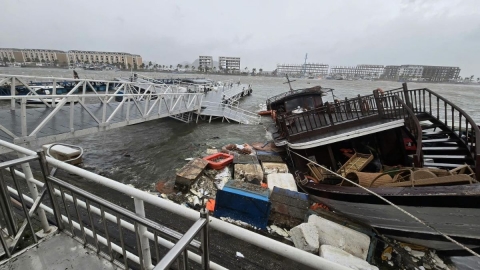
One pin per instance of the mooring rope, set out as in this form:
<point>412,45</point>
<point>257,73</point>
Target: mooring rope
<point>392,204</point>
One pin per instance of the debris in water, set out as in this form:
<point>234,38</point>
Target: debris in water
<point>240,255</point>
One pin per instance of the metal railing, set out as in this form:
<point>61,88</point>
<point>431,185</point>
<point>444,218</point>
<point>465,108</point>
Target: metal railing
<point>84,203</point>
<point>123,105</point>
<point>329,115</point>
<point>231,112</point>
<point>452,117</point>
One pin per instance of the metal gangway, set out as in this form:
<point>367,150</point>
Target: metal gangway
<point>84,109</point>
<point>65,220</point>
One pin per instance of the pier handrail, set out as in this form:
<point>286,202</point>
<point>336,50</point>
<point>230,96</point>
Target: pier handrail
<point>250,116</point>
<point>292,253</point>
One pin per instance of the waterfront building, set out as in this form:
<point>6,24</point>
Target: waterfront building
<point>390,73</point>
<point>440,73</point>
<point>410,72</point>
<point>313,69</point>
<point>113,58</point>
<point>7,54</point>
<point>369,71</point>
<point>421,72</point>
<point>344,72</point>
<point>205,61</point>
<point>73,56</point>
<point>33,55</point>
<point>229,63</point>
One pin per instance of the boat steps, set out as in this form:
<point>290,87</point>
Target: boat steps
<point>440,132</point>
<point>446,156</point>
<point>440,148</point>
<point>432,126</point>
<point>439,140</point>
<point>441,165</point>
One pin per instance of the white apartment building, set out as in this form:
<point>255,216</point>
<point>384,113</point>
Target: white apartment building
<point>75,56</point>
<point>205,61</point>
<point>229,63</point>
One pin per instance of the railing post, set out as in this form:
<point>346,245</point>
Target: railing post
<point>145,245</point>
<point>406,95</point>
<point>379,102</point>
<point>34,192</point>
<point>205,240</point>
<point>51,190</point>
<point>12,93</point>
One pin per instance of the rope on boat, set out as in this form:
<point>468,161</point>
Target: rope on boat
<point>392,204</point>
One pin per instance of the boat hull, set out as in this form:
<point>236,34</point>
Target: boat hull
<point>452,210</point>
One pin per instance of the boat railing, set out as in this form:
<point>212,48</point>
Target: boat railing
<point>393,107</point>
<point>110,229</point>
<point>451,116</point>
<point>328,115</point>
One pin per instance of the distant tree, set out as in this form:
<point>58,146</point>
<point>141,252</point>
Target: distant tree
<point>193,68</point>
<point>260,70</point>
<point>207,68</point>
<point>214,69</point>
<point>478,79</point>
<point>186,66</point>
<point>150,63</point>
<point>135,67</point>
<point>171,66</point>
<point>28,59</point>
<point>5,59</point>
<point>129,66</point>
<point>36,60</point>
<point>200,68</point>
<point>254,70</point>
<point>43,61</point>
<point>71,61</point>
<point>471,77</point>
<point>55,62</point>
<point>142,66</point>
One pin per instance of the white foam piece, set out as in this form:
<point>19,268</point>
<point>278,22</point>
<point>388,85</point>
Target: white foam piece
<point>281,180</point>
<point>305,237</point>
<point>333,234</point>
<point>339,256</point>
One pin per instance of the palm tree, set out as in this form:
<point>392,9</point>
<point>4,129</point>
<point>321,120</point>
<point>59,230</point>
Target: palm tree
<point>200,68</point>
<point>260,70</point>
<point>253,71</point>
<point>142,66</point>
<point>193,68</point>
<point>36,60</point>
<point>171,66</point>
<point>186,66</point>
<point>150,63</point>
<point>214,69</point>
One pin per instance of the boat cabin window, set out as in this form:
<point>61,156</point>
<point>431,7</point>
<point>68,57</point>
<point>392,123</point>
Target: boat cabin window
<point>307,103</point>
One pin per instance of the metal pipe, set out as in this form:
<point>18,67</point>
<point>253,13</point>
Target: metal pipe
<point>145,246</point>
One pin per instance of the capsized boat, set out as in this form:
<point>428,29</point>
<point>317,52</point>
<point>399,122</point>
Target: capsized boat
<point>423,148</point>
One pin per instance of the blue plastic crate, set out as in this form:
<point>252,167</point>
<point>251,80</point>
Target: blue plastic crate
<point>245,202</point>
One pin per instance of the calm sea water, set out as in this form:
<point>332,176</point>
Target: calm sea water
<point>143,154</point>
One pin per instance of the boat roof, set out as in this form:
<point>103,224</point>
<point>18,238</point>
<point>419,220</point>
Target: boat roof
<point>316,90</point>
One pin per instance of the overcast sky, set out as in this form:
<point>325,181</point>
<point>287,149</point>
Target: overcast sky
<point>263,33</point>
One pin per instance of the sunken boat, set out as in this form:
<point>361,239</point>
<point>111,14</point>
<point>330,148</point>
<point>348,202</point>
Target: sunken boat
<point>413,147</point>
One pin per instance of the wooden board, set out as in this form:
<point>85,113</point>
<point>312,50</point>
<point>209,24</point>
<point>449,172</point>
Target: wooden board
<point>191,172</point>
<point>355,164</point>
<point>443,180</point>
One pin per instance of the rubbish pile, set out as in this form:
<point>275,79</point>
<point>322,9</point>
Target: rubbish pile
<point>253,188</point>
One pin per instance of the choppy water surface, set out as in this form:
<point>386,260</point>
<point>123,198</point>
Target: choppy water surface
<point>143,154</point>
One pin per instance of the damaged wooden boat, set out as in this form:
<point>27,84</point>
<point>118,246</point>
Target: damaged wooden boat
<point>420,151</point>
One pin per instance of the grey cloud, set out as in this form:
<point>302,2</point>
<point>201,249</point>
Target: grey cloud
<point>262,33</point>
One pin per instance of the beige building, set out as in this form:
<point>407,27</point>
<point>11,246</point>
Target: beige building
<point>40,55</point>
<point>6,54</point>
<point>70,57</point>
<point>112,58</point>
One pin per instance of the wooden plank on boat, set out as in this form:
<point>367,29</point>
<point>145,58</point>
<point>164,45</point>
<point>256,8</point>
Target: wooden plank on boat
<point>355,164</point>
<point>189,173</point>
<point>449,179</point>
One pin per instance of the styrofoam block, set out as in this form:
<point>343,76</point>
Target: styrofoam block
<point>339,256</point>
<point>281,180</point>
<point>62,149</point>
<point>331,233</point>
<point>305,237</point>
